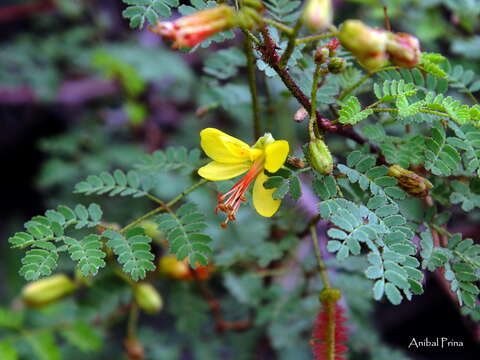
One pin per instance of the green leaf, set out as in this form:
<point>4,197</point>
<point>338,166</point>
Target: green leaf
<point>182,230</point>
<point>352,113</point>
<point>133,251</point>
<point>393,295</point>
<point>152,10</point>
<point>83,336</point>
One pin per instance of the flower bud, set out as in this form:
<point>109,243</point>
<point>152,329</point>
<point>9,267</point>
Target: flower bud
<point>320,157</point>
<point>188,31</point>
<point>43,292</point>
<point>147,298</point>
<point>322,55</point>
<point>404,50</point>
<point>300,115</point>
<point>410,182</point>
<point>337,65</point>
<point>368,45</point>
<point>151,229</point>
<point>318,14</point>
<point>169,266</point>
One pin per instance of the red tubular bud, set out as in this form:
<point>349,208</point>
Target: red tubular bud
<point>188,31</point>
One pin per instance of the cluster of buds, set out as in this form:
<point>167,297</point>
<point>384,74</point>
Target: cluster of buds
<point>373,48</point>
<point>46,291</point>
<point>329,331</point>
<point>410,182</point>
<point>319,156</point>
<point>326,56</point>
<point>147,298</point>
<point>318,14</point>
<point>170,267</point>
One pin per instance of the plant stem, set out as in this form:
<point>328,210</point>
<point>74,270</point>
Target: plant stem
<point>165,206</point>
<point>132,321</point>
<point>360,82</point>
<point>322,269</point>
<point>291,43</point>
<point>282,27</point>
<point>313,111</point>
<point>312,38</point>
<point>252,82</point>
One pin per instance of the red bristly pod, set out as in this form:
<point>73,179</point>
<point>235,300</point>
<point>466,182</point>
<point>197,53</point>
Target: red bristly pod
<point>329,331</point>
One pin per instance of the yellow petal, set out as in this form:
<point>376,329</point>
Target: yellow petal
<point>275,155</point>
<point>262,198</point>
<point>219,171</point>
<point>222,147</point>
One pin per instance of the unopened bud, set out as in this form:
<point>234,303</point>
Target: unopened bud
<point>319,156</point>
<point>330,294</point>
<point>337,65</point>
<point>300,115</point>
<point>43,292</point>
<point>368,45</point>
<point>188,31</point>
<point>404,50</point>
<point>151,229</point>
<point>322,55</point>
<point>409,181</point>
<point>169,266</point>
<point>147,298</point>
<point>318,14</point>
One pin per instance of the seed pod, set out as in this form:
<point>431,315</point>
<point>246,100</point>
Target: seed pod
<point>43,292</point>
<point>368,45</point>
<point>318,14</point>
<point>404,50</point>
<point>319,156</point>
<point>409,181</point>
<point>147,298</point>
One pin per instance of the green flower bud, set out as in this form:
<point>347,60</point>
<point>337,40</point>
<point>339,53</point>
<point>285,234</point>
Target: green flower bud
<point>337,65</point>
<point>318,14</point>
<point>404,50</point>
<point>368,45</point>
<point>43,292</point>
<point>320,157</point>
<point>410,182</point>
<point>322,55</point>
<point>147,298</point>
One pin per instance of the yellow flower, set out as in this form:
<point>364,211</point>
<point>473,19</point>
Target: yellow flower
<point>232,157</point>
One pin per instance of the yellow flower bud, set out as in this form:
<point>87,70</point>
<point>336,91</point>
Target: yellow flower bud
<point>43,292</point>
<point>368,45</point>
<point>318,14</point>
<point>410,182</point>
<point>151,229</point>
<point>169,266</point>
<point>148,298</point>
<point>330,294</point>
<point>319,157</point>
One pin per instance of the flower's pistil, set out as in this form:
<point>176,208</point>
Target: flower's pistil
<point>230,202</point>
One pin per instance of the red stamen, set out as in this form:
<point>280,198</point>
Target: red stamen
<point>230,202</point>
